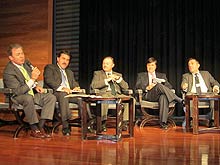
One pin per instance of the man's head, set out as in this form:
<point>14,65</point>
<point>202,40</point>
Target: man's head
<point>63,59</point>
<point>193,65</point>
<point>108,64</point>
<point>16,54</point>
<point>151,64</point>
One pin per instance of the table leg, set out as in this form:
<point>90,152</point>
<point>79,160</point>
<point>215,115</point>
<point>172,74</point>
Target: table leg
<point>98,118</point>
<point>131,117</point>
<point>216,113</point>
<point>119,117</point>
<point>187,114</point>
<point>83,119</point>
<point>195,115</point>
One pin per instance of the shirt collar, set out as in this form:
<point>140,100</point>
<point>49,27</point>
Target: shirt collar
<point>19,66</point>
<point>108,73</point>
<point>60,67</point>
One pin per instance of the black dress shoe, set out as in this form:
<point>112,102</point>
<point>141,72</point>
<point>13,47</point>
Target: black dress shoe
<point>164,126</point>
<point>37,134</point>
<point>211,124</point>
<point>46,134</point>
<point>66,131</point>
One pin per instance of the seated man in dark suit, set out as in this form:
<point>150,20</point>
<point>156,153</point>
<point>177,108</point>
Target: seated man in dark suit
<point>21,76</point>
<point>157,91</point>
<point>61,79</point>
<point>199,82</point>
<point>110,84</point>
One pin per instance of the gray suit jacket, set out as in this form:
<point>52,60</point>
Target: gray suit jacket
<point>143,80</point>
<point>53,77</point>
<point>207,77</point>
<point>14,79</point>
<point>99,83</point>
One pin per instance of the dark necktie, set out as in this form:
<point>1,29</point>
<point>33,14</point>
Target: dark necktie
<point>197,83</point>
<point>112,86</point>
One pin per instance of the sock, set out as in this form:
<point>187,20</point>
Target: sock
<point>41,123</point>
<point>33,126</point>
<point>65,124</point>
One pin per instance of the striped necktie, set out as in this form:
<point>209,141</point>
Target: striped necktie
<point>27,78</point>
<point>65,82</point>
<point>197,83</point>
<point>112,86</point>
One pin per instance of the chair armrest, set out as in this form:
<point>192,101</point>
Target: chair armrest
<point>127,91</point>
<point>139,91</point>
<point>138,95</point>
<point>6,90</point>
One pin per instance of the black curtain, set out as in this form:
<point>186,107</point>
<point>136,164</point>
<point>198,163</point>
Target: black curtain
<point>133,30</point>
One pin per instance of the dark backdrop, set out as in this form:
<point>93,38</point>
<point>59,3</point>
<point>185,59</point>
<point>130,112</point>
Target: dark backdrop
<point>133,30</point>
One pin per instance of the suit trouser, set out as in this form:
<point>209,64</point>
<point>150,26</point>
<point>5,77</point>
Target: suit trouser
<point>46,101</point>
<point>104,107</point>
<point>164,96</point>
<point>64,105</point>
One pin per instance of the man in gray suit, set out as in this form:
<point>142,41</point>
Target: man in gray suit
<point>61,79</point>
<point>157,91</point>
<point>199,82</point>
<point>110,84</point>
<point>21,77</point>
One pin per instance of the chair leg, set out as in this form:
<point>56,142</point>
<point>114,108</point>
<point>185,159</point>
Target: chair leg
<point>55,127</point>
<point>19,129</point>
<point>171,123</point>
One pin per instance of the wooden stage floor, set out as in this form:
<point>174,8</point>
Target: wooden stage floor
<point>150,146</point>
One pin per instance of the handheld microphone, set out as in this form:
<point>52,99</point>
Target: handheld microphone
<point>29,64</point>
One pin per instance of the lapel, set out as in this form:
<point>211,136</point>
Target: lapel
<point>146,78</point>
<point>58,72</point>
<point>17,72</point>
<point>190,81</point>
<point>205,79</point>
<point>103,75</point>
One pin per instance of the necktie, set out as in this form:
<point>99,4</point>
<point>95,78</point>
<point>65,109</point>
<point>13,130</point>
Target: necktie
<point>152,77</point>
<point>64,79</point>
<point>27,78</point>
<point>112,86</point>
<point>198,88</point>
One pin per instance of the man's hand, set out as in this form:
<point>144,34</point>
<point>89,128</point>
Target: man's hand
<point>215,89</point>
<point>76,89</point>
<point>39,89</point>
<point>149,87</point>
<point>113,77</point>
<point>67,90</point>
<point>35,73</point>
<point>184,86</point>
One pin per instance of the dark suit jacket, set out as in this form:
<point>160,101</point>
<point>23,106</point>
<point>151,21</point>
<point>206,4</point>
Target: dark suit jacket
<point>207,77</point>
<point>53,78</point>
<point>99,83</point>
<point>143,80</point>
<point>14,79</point>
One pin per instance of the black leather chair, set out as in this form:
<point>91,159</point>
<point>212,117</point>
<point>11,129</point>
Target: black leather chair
<point>150,110</point>
<point>10,107</point>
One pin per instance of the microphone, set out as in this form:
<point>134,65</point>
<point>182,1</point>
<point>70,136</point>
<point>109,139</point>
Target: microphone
<point>29,64</point>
